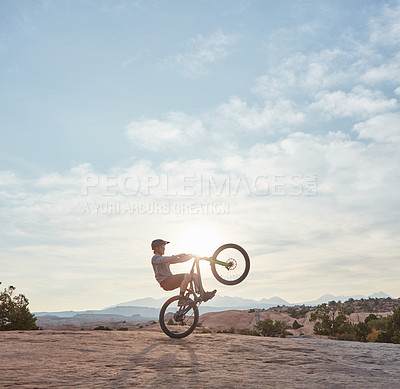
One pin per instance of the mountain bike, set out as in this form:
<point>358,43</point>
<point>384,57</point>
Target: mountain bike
<point>230,265</point>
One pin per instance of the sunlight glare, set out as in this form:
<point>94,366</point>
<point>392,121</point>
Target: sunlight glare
<point>199,239</point>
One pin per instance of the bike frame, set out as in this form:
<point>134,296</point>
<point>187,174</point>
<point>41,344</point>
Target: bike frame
<point>196,266</point>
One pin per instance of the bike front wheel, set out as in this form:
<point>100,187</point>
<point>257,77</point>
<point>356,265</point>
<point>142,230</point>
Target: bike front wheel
<point>238,260</point>
<point>178,321</point>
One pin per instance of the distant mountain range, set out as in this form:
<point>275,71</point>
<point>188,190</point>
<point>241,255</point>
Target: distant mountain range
<point>329,297</point>
<point>148,308</point>
<point>216,302</point>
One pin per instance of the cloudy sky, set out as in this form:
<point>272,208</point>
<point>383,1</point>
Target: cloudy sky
<point>274,125</point>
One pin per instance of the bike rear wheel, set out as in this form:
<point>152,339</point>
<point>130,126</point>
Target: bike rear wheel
<point>178,321</point>
<point>239,262</point>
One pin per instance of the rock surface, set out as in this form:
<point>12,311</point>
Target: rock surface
<point>149,359</point>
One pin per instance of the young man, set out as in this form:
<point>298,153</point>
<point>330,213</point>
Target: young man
<point>164,276</point>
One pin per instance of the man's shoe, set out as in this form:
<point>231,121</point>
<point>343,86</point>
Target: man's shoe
<point>208,295</point>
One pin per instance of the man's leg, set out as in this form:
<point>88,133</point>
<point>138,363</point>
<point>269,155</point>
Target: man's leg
<point>184,284</point>
<point>205,296</point>
<point>198,286</point>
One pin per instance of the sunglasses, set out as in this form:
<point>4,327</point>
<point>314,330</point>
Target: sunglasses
<point>163,247</point>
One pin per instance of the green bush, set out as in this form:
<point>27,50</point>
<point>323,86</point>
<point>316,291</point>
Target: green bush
<point>298,312</point>
<point>392,332</point>
<point>296,325</point>
<point>373,329</point>
<point>230,331</point>
<point>247,331</point>
<point>102,328</point>
<point>269,327</point>
<point>14,312</point>
<point>379,324</point>
<point>330,319</point>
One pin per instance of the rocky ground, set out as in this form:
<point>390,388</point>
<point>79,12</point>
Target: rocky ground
<point>149,359</point>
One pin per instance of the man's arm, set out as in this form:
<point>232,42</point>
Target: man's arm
<point>158,259</point>
<point>182,258</point>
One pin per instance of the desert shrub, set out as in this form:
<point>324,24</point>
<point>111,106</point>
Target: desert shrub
<point>370,328</point>
<point>362,330</point>
<point>370,317</point>
<point>123,329</point>
<point>102,328</point>
<point>298,312</point>
<point>230,331</point>
<point>247,331</point>
<point>349,336</point>
<point>242,331</point>
<point>14,312</point>
<point>269,327</point>
<point>330,319</point>
<point>296,325</point>
<point>373,335</point>
<point>379,323</point>
<point>392,332</point>
<point>252,310</point>
<point>205,331</point>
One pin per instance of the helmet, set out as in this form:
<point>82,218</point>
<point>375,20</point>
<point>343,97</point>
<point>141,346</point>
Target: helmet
<point>157,243</point>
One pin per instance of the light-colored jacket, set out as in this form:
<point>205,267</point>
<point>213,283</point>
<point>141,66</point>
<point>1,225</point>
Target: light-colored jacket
<point>161,265</point>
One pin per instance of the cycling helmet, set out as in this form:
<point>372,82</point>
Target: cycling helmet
<point>157,243</point>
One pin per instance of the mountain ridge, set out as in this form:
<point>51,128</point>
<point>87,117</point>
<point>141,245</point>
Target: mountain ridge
<point>236,302</point>
<point>148,307</point>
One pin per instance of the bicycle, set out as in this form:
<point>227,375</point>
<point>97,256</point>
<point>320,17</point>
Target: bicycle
<point>230,265</point>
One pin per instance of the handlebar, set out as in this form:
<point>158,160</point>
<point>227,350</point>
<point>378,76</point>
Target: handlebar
<point>213,260</point>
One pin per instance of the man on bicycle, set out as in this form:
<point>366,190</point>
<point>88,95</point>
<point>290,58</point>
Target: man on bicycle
<point>169,281</point>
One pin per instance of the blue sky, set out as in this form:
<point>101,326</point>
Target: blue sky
<point>274,125</point>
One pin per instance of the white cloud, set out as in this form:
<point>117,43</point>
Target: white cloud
<point>351,62</point>
<point>385,28</point>
<point>386,72</point>
<point>176,130</point>
<point>203,51</point>
<point>272,118</point>
<point>303,75</point>
<point>359,103</point>
<point>8,178</point>
<point>381,128</point>
<point>73,177</point>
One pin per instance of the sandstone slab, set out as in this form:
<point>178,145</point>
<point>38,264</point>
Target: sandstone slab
<point>149,359</point>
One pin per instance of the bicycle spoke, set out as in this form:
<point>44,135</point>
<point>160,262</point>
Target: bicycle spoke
<point>178,321</point>
<point>238,261</point>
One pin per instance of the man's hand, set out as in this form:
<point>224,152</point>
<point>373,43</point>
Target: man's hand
<point>185,257</point>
